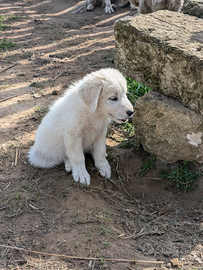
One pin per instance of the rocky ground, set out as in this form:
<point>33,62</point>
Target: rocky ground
<point>127,218</point>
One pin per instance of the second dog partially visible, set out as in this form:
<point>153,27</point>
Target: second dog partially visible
<point>149,6</point>
<point>78,121</point>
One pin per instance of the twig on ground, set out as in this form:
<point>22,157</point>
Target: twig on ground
<point>13,215</point>
<point>56,77</point>
<point>16,158</point>
<point>8,67</point>
<point>81,258</point>
<point>3,208</point>
<point>141,233</point>
<point>2,100</point>
<point>150,178</point>
<point>35,208</point>
<point>7,186</point>
<point>33,175</point>
<point>93,263</point>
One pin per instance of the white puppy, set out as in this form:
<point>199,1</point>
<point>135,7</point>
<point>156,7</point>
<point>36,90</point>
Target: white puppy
<point>78,121</point>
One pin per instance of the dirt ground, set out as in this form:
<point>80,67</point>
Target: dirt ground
<point>126,217</point>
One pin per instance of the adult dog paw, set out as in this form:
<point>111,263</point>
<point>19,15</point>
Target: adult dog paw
<point>90,7</point>
<point>104,168</point>
<point>109,9</point>
<point>81,177</point>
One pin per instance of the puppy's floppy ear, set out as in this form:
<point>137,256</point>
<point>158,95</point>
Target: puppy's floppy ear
<point>89,92</point>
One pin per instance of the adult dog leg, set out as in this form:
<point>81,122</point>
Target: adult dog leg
<point>145,6</point>
<point>76,160</point>
<point>134,4</point>
<point>108,7</point>
<point>99,153</point>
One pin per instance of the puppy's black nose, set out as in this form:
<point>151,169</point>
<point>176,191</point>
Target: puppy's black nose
<point>129,113</point>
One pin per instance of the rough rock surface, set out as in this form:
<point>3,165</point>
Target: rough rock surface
<point>193,7</point>
<point>164,50</point>
<point>168,129</point>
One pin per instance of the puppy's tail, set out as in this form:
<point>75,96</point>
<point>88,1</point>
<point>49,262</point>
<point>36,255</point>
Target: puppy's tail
<point>80,7</point>
<point>38,160</point>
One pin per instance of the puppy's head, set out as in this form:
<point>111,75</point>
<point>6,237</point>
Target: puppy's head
<point>104,91</point>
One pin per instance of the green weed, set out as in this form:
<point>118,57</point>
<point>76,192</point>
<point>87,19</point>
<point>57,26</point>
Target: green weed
<point>4,19</point>
<point>39,112</point>
<point>104,231</point>
<point>151,159</point>
<point>5,45</point>
<point>128,129</point>
<point>128,143</point>
<point>135,90</point>
<point>12,17</point>
<point>2,26</point>
<point>63,194</point>
<point>182,177</point>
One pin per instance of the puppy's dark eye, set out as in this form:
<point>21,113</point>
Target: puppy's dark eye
<point>114,98</point>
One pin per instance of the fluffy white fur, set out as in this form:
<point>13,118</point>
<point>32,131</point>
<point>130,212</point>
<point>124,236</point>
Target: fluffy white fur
<point>149,6</point>
<point>78,121</point>
<point>108,5</point>
<point>144,6</point>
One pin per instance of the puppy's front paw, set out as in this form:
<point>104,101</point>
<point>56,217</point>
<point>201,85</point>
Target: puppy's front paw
<point>104,168</point>
<point>82,177</point>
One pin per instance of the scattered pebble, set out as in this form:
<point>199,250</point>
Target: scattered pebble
<point>175,262</point>
<point>37,96</point>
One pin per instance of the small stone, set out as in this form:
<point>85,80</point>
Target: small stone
<point>162,211</point>
<point>175,262</point>
<point>37,96</point>
<point>3,147</point>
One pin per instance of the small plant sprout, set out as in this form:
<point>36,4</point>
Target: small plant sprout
<point>151,159</point>
<point>104,231</point>
<point>6,45</point>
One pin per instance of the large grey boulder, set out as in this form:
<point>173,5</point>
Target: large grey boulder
<point>193,7</point>
<point>164,50</point>
<point>168,129</point>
